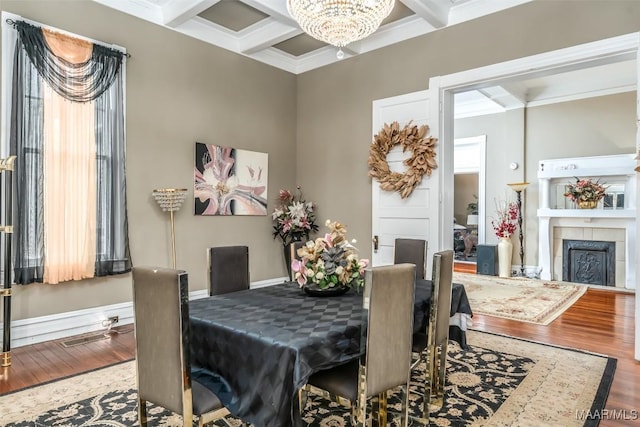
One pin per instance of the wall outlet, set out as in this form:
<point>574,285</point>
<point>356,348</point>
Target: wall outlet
<point>110,321</point>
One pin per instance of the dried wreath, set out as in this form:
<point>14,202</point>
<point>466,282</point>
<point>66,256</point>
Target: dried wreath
<point>422,161</point>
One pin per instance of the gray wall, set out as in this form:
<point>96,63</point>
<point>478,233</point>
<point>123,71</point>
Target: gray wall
<point>335,102</point>
<point>179,91</point>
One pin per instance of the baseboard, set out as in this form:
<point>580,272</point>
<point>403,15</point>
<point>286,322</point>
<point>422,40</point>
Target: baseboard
<point>62,325</point>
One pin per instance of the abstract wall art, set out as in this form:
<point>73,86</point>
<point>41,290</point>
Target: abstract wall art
<point>228,181</point>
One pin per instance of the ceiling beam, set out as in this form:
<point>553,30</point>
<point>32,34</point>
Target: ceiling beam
<point>265,34</point>
<point>177,12</point>
<point>277,9</point>
<point>507,96</point>
<point>466,11</point>
<point>434,12</point>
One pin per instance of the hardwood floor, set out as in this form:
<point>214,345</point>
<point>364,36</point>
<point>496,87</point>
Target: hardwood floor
<point>465,267</point>
<point>601,321</point>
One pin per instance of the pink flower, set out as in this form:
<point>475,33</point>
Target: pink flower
<point>294,218</point>
<point>298,267</point>
<point>285,195</point>
<point>364,263</point>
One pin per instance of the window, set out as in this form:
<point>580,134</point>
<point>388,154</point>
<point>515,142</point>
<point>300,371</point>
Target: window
<point>67,133</point>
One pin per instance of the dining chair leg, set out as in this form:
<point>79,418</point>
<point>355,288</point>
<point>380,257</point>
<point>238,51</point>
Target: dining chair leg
<point>440,376</point>
<point>428,381</point>
<point>379,410</point>
<point>359,414</point>
<point>404,415</point>
<point>142,412</point>
<point>187,418</point>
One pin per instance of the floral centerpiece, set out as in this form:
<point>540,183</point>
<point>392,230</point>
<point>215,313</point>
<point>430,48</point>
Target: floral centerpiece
<point>294,218</point>
<point>505,224</point>
<point>585,192</point>
<point>330,261</point>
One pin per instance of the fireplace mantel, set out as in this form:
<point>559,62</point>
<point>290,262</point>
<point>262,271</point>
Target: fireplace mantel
<point>617,172</point>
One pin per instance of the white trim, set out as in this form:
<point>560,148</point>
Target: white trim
<point>62,325</point>
<point>567,59</point>
<point>477,8</point>
<point>268,282</point>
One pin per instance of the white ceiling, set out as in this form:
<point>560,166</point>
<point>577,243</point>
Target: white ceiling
<point>263,30</point>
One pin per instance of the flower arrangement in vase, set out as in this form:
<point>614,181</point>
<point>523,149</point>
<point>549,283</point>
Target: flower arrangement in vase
<point>294,218</point>
<point>329,262</point>
<point>505,224</point>
<point>586,193</point>
<point>504,227</point>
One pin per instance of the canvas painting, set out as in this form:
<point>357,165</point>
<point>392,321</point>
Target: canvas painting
<point>228,181</point>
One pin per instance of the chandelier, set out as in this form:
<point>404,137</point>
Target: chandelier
<point>339,22</point>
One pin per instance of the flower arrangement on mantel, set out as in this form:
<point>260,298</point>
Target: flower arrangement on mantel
<point>330,261</point>
<point>294,218</point>
<point>585,191</point>
<point>506,222</point>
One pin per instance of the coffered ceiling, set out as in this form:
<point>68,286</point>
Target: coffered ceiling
<point>264,30</point>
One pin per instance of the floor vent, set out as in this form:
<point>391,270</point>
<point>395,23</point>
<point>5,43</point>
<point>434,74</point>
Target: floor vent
<point>85,340</point>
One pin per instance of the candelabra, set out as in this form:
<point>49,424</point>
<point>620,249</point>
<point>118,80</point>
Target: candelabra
<point>171,199</point>
<point>519,187</point>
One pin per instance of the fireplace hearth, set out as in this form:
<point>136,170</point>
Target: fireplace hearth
<point>589,261</point>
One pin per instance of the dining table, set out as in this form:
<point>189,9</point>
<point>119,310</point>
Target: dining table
<point>256,348</point>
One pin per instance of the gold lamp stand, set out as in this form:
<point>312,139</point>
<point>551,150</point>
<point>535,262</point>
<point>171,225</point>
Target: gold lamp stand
<point>171,199</point>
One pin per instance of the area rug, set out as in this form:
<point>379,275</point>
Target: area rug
<point>519,298</point>
<point>499,381</point>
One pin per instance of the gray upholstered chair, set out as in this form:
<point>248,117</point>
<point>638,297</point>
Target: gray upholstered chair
<point>389,293</point>
<point>412,251</point>
<point>161,308</point>
<point>293,254</point>
<point>228,269</point>
<point>433,343</point>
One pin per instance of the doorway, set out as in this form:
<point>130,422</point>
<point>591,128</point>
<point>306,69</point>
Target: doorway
<point>469,196</point>
<point>580,57</point>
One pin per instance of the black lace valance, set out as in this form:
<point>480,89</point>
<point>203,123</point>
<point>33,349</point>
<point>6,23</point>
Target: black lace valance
<point>81,82</point>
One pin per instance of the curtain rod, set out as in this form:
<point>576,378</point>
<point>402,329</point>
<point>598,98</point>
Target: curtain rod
<point>13,24</point>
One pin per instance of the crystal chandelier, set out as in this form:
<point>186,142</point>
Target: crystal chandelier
<point>339,22</point>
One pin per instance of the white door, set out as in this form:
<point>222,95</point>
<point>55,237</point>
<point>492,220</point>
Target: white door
<point>417,216</point>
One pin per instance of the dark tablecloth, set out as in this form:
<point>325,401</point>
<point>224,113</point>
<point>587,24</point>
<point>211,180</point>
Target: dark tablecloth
<point>256,348</point>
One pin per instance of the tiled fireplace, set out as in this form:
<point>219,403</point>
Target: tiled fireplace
<point>560,222</point>
<point>595,261</point>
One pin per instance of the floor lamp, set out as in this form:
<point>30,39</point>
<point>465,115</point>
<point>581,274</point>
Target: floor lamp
<point>519,187</point>
<point>170,199</point>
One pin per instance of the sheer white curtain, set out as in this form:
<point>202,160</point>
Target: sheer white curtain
<point>69,189</point>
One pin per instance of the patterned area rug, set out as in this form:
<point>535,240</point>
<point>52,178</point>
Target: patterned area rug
<point>500,381</point>
<point>519,298</point>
